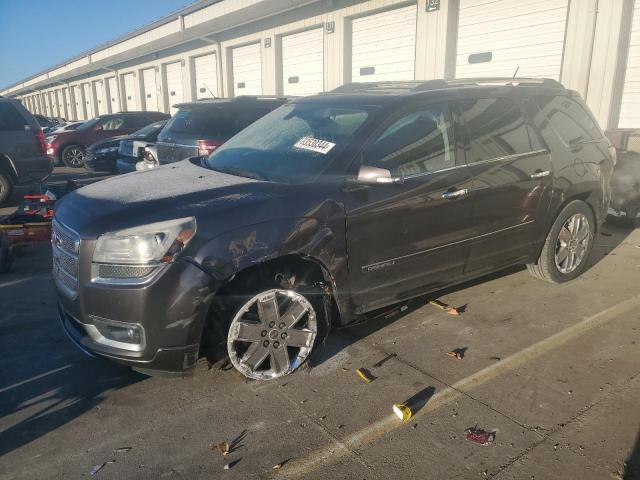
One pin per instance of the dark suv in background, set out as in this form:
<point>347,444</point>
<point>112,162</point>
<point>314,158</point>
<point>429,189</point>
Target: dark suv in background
<point>198,128</point>
<point>23,156</point>
<point>330,207</point>
<point>69,147</point>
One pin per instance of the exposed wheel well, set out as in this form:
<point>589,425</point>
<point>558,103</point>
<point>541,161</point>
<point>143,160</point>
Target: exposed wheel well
<point>288,270</point>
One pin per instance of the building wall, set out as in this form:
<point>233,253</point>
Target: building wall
<point>594,55</point>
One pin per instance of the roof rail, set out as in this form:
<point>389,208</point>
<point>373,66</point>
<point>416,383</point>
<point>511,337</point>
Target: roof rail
<point>261,97</point>
<point>542,82</point>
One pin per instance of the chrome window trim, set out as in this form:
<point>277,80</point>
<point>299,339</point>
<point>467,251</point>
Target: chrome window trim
<point>392,261</point>
<point>515,156</point>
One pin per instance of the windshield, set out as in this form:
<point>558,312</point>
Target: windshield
<point>292,144</point>
<point>148,130</point>
<point>89,124</point>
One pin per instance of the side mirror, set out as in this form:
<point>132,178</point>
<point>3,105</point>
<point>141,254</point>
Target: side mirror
<point>368,175</point>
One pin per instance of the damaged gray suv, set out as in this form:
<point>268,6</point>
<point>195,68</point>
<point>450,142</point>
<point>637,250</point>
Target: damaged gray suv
<point>328,208</point>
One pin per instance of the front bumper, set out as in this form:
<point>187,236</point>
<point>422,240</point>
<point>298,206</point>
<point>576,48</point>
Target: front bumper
<point>172,310</point>
<point>126,164</point>
<point>102,163</point>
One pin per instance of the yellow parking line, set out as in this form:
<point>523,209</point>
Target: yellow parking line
<point>350,444</point>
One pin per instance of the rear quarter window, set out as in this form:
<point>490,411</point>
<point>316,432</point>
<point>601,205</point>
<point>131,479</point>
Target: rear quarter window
<point>569,118</point>
<point>11,118</point>
<point>215,121</point>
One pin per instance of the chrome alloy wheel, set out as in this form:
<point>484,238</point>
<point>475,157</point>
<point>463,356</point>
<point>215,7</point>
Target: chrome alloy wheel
<point>573,243</point>
<point>74,156</point>
<point>263,343</point>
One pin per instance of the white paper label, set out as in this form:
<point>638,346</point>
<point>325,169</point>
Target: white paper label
<point>314,145</point>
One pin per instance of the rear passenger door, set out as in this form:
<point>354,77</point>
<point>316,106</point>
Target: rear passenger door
<point>512,174</point>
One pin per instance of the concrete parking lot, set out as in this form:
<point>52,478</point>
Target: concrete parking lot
<point>553,370</point>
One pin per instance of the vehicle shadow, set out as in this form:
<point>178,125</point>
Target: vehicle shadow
<point>632,464</point>
<point>45,382</point>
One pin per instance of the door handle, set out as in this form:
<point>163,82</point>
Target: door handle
<point>453,194</point>
<point>540,174</point>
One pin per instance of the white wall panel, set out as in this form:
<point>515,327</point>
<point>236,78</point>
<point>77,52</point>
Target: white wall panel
<point>383,46</point>
<point>175,86</point>
<point>81,111</point>
<point>630,107</point>
<point>247,70</point>
<point>101,97</point>
<point>206,78</point>
<point>528,34</point>
<point>303,63</point>
<point>114,95</point>
<point>130,92</point>
<point>87,96</point>
<point>150,89</point>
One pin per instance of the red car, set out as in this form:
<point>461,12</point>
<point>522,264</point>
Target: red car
<point>69,147</point>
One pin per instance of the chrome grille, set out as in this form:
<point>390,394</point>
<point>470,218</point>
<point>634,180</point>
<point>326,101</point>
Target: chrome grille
<point>65,248</point>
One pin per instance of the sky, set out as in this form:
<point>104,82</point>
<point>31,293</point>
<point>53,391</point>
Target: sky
<point>37,34</point>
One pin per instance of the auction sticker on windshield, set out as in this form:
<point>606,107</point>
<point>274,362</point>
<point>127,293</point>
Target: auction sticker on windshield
<point>314,145</point>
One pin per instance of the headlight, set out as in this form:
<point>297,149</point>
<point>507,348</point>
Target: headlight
<point>106,150</point>
<point>135,255</point>
<point>145,165</point>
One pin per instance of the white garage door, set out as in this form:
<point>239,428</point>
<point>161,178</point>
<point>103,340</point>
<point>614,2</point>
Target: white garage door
<point>206,79</point>
<point>150,89</point>
<point>60,102</point>
<point>81,114</point>
<point>67,103</point>
<point>174,85</point>
<point>130,94</point>
<point>630,108</point>
<point>88,100</point>
<point>247,70</point>
<point>114,97</point>
<point>383,46</point>
<point>101,96</point>
<point>303,63</point>
<point>54,104</point>
<point>496,38</point>
<point>47,105</point>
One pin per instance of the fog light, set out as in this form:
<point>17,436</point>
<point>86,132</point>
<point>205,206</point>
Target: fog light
<point>121,332</point>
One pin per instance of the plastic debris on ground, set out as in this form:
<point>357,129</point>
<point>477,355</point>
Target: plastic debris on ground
<point>443,306</point>
<point>480,436</point>
<point>457,353</point>
<point>365,375</point>
<point>278,466</point>
<point>384,360</point>
<point>402,411</point>
<point>122,449</point>
<point>97,468</point>
<point>222,447</point>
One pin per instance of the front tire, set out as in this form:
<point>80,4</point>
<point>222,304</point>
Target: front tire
<point>6,186</point>
<point>272,333</point>
<point>568,245</point>
<point>73,156</point>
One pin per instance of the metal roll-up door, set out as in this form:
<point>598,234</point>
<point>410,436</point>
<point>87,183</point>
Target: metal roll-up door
<point>383,46</point>
<point>114,96</point>
<point>247,70</point>
<point>175,93</point>
<point>150,88</point>
<point>130,94</point>
<point>206,78</point>
<point>47,105</point>
<point>62,108</point>
<point>630,107</point>
<point>303,63</point>
<point>497,38</point>
<point>81,113</point>
<point>101,97</point>
<point>88,100</point>
<point>67,104</point>
<point>54,104</point>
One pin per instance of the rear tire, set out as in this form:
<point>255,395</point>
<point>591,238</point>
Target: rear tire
<point>566,250</point>
<point>73,156</point>
<point>6,187</point>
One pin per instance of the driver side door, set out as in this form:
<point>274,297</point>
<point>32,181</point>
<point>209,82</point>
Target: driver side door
<point>409,237</point>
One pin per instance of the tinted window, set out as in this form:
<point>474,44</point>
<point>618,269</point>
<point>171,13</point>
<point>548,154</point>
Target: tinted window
<point>113,123</point>
<point>11,118</point>
<point>135,121</point>
<point>149,129</point>
<point>292,144</point>
<point>496,128</point>
<point>214,121</point>
<point>569,118</point>
<point>417,142</point>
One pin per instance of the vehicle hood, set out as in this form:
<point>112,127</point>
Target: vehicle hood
<point>179,190</point>
<point>109,142</point>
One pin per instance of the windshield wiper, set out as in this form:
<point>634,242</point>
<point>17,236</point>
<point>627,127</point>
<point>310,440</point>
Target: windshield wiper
<point>239,172</point>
